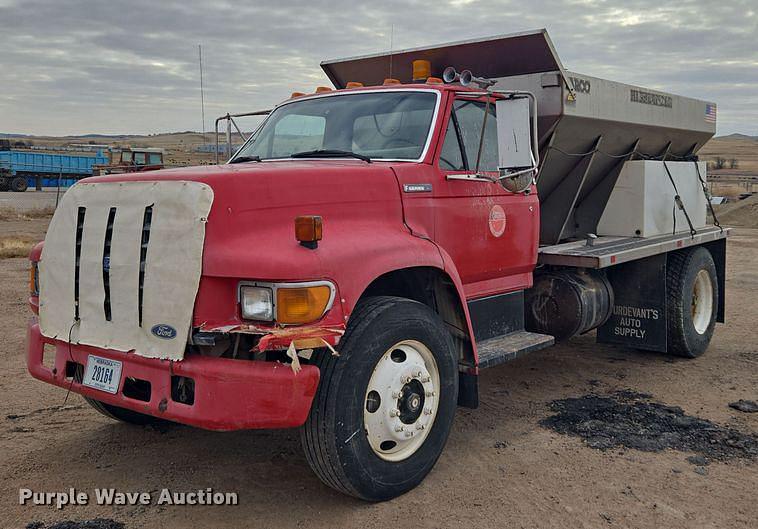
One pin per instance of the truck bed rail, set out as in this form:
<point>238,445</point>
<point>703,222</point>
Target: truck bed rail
<point>602,252</point>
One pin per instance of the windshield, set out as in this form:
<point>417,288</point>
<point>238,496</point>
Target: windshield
<point>382,125</point>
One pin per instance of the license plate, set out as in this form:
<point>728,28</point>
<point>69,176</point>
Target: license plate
<point>102,373</point>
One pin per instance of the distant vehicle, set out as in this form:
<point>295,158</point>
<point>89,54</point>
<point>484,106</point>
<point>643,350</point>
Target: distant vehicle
<point>131,160</point>
<point>21,168</point>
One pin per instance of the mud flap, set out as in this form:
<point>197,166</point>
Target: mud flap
<point>638,317</point>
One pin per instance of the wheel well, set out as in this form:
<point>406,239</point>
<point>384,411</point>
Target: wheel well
<point>434,288</point>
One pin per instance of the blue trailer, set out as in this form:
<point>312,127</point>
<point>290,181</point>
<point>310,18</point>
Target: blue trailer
<point>19,169</point>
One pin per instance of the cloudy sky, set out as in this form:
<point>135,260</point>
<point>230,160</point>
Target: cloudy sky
<point>81,66</point>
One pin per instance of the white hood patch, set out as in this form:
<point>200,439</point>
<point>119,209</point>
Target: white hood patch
<point>121,265</point>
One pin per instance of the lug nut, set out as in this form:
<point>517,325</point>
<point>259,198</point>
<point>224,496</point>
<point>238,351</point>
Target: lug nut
<point>418,374</point>
<point>430,393</point>
<point>409,434</point>
<point>395,395</point>
<point>427,411</point>
<point>420,427</point>
<point>399,428</point>
<point>426,379</point>
<point>394,413</point>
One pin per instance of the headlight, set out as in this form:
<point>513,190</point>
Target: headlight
<point>286,303</point>
<point>257,303</point>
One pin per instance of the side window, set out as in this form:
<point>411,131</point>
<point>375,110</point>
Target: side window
<point>297,133</point>
<point>451,158</point>
<point>470,116</point>
<point>139,158</point>
<point>155,158</point>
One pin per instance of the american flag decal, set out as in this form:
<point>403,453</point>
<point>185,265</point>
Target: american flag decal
<point>710,113</point>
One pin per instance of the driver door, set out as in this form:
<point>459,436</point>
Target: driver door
<point>490,233</point>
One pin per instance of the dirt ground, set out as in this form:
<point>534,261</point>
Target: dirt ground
<point>501,466</point>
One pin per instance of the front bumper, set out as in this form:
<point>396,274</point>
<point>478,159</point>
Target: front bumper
<point>229,394</point>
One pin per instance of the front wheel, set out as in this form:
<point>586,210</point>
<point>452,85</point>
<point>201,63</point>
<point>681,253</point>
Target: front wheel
<point>384,406</point>
<point>124,415</point>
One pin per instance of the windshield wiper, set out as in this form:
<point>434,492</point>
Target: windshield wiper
<point>242,159</point>
<point>330,153</point>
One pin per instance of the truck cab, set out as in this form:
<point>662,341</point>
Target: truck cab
<point>358,261</point>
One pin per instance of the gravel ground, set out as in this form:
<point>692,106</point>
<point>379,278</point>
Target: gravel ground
<point>505,465</point>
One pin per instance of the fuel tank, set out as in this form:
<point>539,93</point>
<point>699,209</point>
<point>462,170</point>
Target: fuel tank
<point>564,303</point>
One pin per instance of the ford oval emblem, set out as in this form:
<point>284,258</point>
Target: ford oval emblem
<point>163,331</point>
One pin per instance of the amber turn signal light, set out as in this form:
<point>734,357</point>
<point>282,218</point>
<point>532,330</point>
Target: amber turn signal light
<point>353,84</point>
<point>302,304</point>
<point>308,230</point>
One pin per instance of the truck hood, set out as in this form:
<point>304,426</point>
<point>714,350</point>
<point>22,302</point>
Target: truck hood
<point>250,229</point>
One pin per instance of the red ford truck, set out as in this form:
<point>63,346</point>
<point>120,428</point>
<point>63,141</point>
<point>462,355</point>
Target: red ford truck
<point>372,247</point>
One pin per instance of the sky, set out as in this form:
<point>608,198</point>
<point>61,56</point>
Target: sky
<point>85,66</point>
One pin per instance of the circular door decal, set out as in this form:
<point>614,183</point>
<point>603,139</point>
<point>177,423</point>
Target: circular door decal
<point>497,221</point>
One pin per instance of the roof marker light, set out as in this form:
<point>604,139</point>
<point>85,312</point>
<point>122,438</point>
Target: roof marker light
<point>421,70</point>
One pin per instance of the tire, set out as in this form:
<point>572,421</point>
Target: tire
<point>117,413</point>
<point>341,435</point>
<point>124,415</point>
<point>19,184</point>
<point>693,299</point>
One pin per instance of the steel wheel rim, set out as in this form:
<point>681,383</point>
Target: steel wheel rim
<point>702,301</point>
<point>401,401</point>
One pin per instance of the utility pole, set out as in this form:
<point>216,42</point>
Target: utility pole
<point>202,96</point>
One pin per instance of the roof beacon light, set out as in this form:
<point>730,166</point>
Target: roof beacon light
<point>389,81</point>
<point>422,69</point>
<point>320,89</point>
<point>353,84</point>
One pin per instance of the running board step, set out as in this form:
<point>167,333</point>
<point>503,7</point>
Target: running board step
<point>505,348</point>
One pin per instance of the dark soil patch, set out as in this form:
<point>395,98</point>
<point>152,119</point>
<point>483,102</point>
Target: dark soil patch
<point>629,419</point>
<point>97,523</point>
<point>746,406</point>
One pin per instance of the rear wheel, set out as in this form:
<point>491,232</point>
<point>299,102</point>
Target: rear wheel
<point>19,184</point>
<point>692,291</point>
<point>384,407</point>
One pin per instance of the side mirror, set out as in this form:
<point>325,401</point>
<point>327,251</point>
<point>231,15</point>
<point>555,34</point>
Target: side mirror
<point>516,160</point>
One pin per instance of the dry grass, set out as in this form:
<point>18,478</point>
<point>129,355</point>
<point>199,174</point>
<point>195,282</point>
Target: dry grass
<point>34,213</point>
<point>18,246</point>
